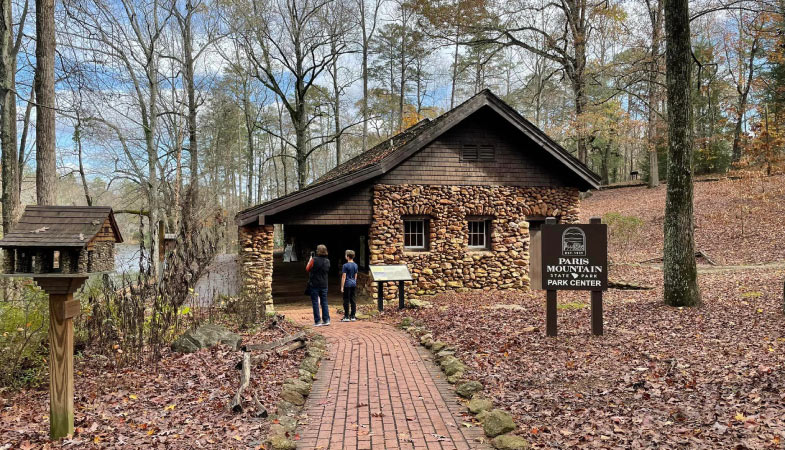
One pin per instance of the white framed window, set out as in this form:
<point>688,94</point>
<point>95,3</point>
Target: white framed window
<point>415,233</point>
<point>479,233</point>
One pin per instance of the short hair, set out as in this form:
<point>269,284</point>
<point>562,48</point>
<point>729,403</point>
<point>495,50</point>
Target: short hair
<point>349,254</point>
<point>321,250</point>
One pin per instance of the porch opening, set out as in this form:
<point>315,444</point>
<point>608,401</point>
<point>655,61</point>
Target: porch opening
<point>290,278</point>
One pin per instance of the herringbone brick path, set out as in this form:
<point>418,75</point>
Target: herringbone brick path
<point>376,390</point>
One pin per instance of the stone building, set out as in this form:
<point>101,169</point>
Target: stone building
<point>455,198</point>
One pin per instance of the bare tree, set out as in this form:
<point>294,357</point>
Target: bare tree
<point>744,60</point>
<point>10,43</point>
<point>565,43</point>
<point>127,37</point>
<point>368,13</point>
<point>289,50</point>
<point>655,13</point>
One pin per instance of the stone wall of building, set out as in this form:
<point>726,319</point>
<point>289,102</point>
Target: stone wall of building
<point>101,257</point>
<point>449,263</point>
<point>256,259</point>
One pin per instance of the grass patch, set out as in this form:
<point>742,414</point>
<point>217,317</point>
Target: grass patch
<point>572,305</point>
<point>752,294</point>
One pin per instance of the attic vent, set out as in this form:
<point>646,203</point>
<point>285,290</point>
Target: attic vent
<point>474,152</point>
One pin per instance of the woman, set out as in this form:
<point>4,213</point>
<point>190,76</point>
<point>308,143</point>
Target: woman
<point>318,268</point>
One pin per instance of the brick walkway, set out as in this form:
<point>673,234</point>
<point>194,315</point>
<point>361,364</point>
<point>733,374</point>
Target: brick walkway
<point>376,390</point>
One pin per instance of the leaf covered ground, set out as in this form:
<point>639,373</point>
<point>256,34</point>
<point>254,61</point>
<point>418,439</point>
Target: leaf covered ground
<point>706,377</point>
<point>736,221</point>
<point>179,404</point>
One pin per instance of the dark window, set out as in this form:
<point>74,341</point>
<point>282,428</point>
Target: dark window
<point>415,233</point>
<point>479,233</point>
<point>474,152</point>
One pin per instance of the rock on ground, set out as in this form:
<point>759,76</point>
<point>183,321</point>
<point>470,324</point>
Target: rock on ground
<point>510,442</point>
<point>205,336</point>
<point>497,422</point>
<point>479,404</point>
<point>468,388</point>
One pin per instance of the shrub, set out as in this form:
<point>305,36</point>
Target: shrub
<point>622,230</point>
<point>24,323</point>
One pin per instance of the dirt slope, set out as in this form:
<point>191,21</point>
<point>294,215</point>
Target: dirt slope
<point>737,221</point>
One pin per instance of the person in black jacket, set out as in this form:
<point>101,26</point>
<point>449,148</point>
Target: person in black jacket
<point>318,269</point>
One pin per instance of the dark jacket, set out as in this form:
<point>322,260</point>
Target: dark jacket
<point>317,277</point>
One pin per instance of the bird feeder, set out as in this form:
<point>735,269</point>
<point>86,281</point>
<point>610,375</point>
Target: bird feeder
<point>60,247</point>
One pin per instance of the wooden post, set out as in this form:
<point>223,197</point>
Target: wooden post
<point>550,313</point>
<point>401,301</point>
<point>61,368</point>
<point>161,243</point>
<point>551,295</point>
<point>62,309</point>
<point>596,299</point>
<point>380,291</point>
<point>596,313</point>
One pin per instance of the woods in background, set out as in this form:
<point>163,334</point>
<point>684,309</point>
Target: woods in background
<point>220,105</point>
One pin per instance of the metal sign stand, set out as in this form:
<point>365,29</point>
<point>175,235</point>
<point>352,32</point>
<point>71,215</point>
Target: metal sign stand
<point>383,274</point>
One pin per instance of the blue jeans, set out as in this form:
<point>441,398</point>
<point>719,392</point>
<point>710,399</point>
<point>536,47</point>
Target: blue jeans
<point>316,295</point>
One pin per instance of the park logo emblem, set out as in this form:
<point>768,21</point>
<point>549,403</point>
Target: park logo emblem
<point>573,242</point>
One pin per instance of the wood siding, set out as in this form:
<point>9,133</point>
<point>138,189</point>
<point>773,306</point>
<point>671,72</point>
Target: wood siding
<point>517,160</point>
<point>352,206</point>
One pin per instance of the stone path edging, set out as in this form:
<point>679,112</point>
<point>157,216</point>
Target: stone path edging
<point>375,389</point>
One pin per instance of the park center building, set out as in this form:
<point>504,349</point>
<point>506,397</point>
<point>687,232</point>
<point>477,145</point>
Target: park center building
<point>454,198</point>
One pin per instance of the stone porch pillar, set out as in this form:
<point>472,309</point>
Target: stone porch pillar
<point>256,259</point>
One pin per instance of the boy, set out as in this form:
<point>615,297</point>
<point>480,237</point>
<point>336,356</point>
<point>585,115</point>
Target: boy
<point>349,287</point>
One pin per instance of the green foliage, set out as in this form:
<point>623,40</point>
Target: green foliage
<point>24,321</point>
<point>622,230</point>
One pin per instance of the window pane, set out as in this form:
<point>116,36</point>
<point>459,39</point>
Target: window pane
<point>414,233</point>
<point>477,233</point>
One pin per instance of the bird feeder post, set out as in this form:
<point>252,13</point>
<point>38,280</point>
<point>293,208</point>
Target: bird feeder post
<point>62,309</point>
<point>59,247</point>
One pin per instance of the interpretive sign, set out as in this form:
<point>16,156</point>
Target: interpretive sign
<point>575,257</point>
<point>382,274</point>
<point>391,273</point>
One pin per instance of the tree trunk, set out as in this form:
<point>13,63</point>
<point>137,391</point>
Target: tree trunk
<point>82,175</point>
<point>679,271</point>
<point>11,185</point>
<point>651,129</point>
<point>454,68</point>
<point>366,43</point>
<point>336,104</point>
<point>190,87</point>
<point>45,156</point>
<point>743,93</point>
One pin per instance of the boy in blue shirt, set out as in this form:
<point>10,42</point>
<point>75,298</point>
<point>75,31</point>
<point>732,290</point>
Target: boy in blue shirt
<point>349,287</point>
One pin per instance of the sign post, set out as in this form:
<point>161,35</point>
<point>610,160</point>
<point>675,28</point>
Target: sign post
<point>574,257</point>
<point>383,274</point>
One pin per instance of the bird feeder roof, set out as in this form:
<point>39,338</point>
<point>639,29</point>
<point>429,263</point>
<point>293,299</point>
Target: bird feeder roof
<point>60,226</point>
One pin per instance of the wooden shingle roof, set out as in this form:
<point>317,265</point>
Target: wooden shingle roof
<point>388,154</point>
<point>60,226</point>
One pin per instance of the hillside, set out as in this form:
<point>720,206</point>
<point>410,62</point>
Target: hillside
<point>737,221</point>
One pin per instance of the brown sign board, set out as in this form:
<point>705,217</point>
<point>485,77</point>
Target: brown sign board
<point>391,273</point>
<point>574,257</point>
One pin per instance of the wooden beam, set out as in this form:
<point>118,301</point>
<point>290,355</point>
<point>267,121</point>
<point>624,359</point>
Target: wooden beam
<point>61,369</point>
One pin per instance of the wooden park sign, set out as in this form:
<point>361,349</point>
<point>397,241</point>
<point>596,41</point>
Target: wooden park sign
<point>382,274</point>
<point>59,247</point>
<point>573,257</point>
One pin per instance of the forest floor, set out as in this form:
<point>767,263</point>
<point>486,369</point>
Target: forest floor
<point>737,221</point>
<point>704,377</point>
<point>180,403</point>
